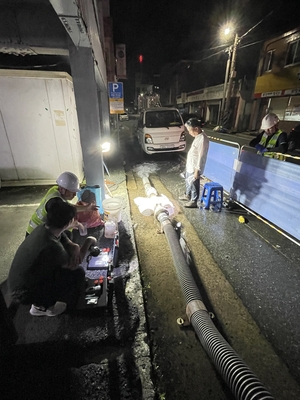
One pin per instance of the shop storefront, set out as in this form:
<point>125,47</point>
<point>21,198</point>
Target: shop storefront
<point>277,90</point>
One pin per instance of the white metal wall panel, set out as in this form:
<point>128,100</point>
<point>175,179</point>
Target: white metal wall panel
<point>74,133</point>
<point>6,158</point>
<point>39,133</point>
<point>65,126</point>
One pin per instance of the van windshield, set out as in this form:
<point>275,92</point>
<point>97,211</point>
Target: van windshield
<point>162,119</point>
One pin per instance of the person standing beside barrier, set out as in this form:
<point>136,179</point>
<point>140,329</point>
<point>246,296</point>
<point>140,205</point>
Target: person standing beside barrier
<point>272,139</point>
<point>195,163</point>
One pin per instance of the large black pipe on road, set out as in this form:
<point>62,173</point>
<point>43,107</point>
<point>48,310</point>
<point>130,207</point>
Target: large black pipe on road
<point>237,375</point>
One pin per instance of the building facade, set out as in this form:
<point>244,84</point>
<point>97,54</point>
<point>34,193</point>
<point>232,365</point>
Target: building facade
<point>277,86</point>
<point>207,103</point>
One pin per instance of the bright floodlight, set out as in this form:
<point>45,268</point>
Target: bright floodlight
<point>105,147</point>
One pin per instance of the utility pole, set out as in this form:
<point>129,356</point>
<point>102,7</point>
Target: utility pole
<point>231,77</point>
<point>224,113</point>
<point>221,116</point>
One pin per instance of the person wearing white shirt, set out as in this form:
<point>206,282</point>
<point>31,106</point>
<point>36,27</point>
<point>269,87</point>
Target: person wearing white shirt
<point>195,163</point>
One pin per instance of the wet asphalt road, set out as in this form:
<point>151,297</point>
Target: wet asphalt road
<point>260,263</point>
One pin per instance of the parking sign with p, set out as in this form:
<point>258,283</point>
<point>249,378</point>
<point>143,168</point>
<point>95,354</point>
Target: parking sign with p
<point>116,99</point>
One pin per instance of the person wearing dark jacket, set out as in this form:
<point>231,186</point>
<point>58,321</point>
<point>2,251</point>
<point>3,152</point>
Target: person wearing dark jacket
<point>272,139</point>
<point>46,271</point>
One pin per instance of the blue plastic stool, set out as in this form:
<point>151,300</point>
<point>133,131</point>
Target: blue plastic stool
<point>212,195</point>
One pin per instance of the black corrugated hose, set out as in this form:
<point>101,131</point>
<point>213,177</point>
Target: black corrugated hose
<point>238,376</point>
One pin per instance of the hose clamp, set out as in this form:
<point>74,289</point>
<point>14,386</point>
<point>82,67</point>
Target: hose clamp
<point>193,306</point>
<point>161,212</point>
<point>165,223</point>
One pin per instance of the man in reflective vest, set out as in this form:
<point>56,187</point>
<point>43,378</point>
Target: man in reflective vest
<point>271,140</point>
<point>66,188</point>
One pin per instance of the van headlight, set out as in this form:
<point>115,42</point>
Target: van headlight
<point>148,138</point>
<point>182,137</point>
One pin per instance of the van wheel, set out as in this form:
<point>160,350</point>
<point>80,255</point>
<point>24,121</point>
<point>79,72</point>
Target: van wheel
<point>143,155</point>
<point>139,151</point>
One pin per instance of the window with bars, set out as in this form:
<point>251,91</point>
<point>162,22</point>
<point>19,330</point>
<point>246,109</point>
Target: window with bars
<point>292,112</point>
<point>293,55</point>
<point>268,61</point>
<point>287,108</point>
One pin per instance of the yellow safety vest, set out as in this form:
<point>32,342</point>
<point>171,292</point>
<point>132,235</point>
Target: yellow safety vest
<point>272,143</point>
<point>39,216</point>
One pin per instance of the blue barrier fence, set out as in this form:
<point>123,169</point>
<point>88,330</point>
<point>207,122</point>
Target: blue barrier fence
<point>267,186</point>
<point>220,163</point>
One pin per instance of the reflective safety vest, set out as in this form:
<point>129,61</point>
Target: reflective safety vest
<point>272,143</point>
<point>39,216</point>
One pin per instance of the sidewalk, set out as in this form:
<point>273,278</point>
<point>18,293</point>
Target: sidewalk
<point>99,353</point>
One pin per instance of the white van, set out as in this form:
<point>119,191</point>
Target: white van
<point>161,130</point>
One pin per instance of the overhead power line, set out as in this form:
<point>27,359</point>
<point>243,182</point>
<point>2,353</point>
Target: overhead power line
<point>240,38</point>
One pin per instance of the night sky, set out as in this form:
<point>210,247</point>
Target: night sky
<point>167,31</point>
